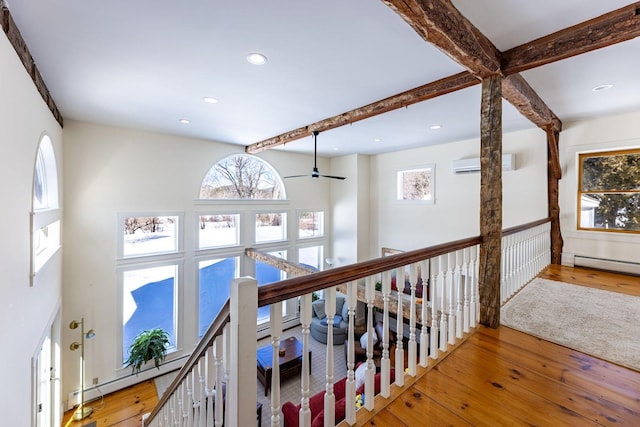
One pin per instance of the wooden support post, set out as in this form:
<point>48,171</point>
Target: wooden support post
<point>554,174</point>
<point>490,200</point>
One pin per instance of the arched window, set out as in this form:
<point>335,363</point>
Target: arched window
<point>45,224</point>
<point>242,177</point>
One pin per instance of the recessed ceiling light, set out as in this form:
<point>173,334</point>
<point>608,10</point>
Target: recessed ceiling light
<point>210,100</point>
<point>185,121</point>
<point>601,88</point>
<point>376,140</point>
<point>336,149</point>
<point>436,127</point>
<point>256,58</point>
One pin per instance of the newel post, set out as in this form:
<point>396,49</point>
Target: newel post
<point>242,364</point>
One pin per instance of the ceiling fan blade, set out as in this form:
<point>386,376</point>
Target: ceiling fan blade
<point>295,176</point>
<point>333,177</point>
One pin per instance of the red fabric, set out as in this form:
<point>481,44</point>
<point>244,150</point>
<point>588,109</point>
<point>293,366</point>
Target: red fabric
<point>316,403</point>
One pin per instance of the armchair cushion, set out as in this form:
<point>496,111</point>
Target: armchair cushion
<point>318,309</point>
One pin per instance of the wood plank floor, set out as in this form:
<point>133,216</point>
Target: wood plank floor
<point>495,378</point>
<point>500,377</point>
<point>123,408</point>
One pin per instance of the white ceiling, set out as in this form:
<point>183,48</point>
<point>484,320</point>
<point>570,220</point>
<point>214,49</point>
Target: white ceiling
<point>147,64</point>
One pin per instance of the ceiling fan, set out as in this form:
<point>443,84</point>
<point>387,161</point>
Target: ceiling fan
<point>315,173</point>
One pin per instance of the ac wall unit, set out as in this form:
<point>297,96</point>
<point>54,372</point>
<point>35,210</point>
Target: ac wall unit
<point>473,165</point>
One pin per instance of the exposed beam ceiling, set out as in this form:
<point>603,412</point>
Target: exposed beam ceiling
<point>440,23</point>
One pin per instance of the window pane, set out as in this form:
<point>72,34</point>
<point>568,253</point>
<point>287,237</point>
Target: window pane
<point>610,211</point>
<point>218,230</point>
<point>311,224</point>
<point>266,273</point>
<point>311,257</point>
<point>46,242</point>
<point>270,227</point>
<point>415,184</point>
<point>241,177</point>
<point>214,278</point>
<point>150,235</point>
<point>619,172</point>
<point>148,302</point>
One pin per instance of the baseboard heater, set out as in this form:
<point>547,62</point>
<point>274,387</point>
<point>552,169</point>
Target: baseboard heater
<point>608,264</point>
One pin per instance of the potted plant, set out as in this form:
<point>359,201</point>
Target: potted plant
<point>148,345</point>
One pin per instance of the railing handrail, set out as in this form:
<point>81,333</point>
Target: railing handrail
<point>523,227</point>
<point>215,328</point>
<point>297,286</point>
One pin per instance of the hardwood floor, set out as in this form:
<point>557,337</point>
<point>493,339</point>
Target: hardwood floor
<point>495,378</point>
<point>123,408</point>
<point>504,377</point>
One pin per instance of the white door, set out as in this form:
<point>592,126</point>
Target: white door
<point>46,384</point>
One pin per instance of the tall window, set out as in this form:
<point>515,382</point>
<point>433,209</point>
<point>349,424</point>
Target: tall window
<point>214,277</point>
<point>310,224</point>
<point>45,221</point>
<point>609,191</point>
<point>149,246</point>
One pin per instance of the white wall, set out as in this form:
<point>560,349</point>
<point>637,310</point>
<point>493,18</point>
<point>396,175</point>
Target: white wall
<point>456,211</point>
<point>25,312</point>
<point>110,170</point>
<point>350,209</point>
<point>606,133</point>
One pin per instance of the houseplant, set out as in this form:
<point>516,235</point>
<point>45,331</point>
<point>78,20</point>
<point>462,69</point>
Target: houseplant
<point>148,345</point>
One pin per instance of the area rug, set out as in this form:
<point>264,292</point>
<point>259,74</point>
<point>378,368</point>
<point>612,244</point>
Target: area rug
<point>599,323</point>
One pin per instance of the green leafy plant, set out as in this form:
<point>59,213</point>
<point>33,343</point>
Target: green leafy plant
<point>148,345</point>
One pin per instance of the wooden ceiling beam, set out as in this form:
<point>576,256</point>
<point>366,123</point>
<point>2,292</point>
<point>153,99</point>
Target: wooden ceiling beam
<point>517,91</point>
<point>412,96</point>
<point>614,27</point>
<point>441,24</point>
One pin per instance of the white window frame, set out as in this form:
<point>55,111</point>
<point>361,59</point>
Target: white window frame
<point>400,196</point>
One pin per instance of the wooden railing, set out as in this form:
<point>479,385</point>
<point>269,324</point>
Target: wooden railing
<point>446,274</point>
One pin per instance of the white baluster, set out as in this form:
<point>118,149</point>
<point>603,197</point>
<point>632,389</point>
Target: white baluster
<point>435,277</point>
<point>413,345</point>
<point>350,387</point>
<point>276,333</point>
<point>370,295</point>
<point>424,331</point>
<point>466,280</point>
<point>451,261</point>
<point>385,363</point>
<point>473,307</point>
<point>459,292</point>
<point>400,328</point>
<point>209,386</point>
<point>444,272</point>
<point>329,396</point>
<point>304,417</point>
<point>189,402</point>
<point>218,354</point>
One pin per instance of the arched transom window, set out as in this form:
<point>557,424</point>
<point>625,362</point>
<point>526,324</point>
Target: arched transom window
<point>242,177</point>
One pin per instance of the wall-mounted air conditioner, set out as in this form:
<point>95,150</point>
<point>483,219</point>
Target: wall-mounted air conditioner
<point>473,165</point>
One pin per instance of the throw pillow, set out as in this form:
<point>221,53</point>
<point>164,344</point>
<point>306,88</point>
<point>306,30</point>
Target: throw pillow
<point>360,375</point>
<point>345,312</point>
<point>318,308</point>
<point>364,340</point>
<point>340,301</point>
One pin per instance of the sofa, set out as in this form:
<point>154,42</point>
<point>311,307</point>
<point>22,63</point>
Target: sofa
<point>290,411</point>
<point>319,326</point>
<point>360,350</point>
